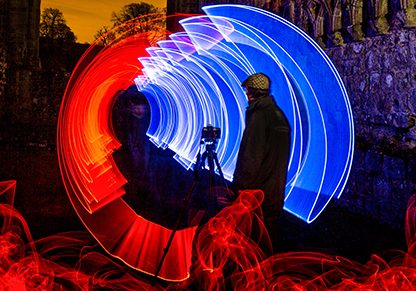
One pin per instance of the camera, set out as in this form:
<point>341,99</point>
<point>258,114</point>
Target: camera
<point>211,133</point>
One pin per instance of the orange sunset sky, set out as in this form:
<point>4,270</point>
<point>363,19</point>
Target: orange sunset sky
<point>86,17</point>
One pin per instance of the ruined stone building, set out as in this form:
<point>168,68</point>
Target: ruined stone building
<point>330,22</point>
<point>19,55</point>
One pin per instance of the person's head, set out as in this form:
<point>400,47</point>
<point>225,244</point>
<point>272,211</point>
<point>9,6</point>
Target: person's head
<point>256,86</point>
<point>138,105</point>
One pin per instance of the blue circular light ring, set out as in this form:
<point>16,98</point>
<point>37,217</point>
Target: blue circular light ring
<point>194,79</point>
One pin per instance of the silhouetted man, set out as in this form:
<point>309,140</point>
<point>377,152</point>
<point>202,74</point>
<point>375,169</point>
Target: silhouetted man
<point>264,150</point>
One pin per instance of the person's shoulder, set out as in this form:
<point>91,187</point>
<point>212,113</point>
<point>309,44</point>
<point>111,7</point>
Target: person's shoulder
<point>268,103</point>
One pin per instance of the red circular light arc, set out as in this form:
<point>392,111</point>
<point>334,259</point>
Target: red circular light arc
<point>93,182</point>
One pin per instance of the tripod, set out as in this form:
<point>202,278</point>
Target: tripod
<point>211,156</point>
<point>208,155</point>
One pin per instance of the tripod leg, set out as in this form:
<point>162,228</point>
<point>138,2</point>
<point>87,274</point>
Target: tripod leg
<point>212,195</point>
<point>229,196</point>
<point>217,163</point>
<point>198,166</point>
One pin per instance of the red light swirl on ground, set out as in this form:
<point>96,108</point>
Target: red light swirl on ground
<point>227,255</point>
<point>66,261</point>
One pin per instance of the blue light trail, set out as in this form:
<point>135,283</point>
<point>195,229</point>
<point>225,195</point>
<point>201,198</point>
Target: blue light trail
<point>194,79</point>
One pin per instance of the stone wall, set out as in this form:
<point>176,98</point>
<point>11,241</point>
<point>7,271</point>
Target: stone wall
<point>19,36</point>
<point>380,76</point>
<point>3,66</point>
<point>3,63</point>
<point>47,92</point>
<point>22,31</point>
<point>329,22</point>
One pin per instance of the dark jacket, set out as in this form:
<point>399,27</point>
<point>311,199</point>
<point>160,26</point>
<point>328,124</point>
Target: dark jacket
<point>264,153</point>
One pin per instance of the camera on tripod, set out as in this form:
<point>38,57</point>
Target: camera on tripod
<point>209,137</point>
<point>211,133</point>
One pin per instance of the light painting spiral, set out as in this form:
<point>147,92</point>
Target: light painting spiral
<point>192,80</point>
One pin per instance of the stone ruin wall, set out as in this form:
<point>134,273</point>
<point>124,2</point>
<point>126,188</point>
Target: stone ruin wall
<point>19,43</point>
<point>3,66</point>
<point>380,77</point>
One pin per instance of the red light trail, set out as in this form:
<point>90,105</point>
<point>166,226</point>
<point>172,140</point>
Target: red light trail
<point>227,250</point>
<point>93,182</point>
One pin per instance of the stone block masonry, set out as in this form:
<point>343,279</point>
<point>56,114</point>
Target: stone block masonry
<point>3,66</point>
<point>380,76</point>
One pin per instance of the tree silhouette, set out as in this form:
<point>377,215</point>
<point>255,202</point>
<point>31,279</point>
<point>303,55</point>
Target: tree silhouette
<point>105,34</point>
<point>58,49</point>
<point>132,19</point>
<point>53,26</point>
